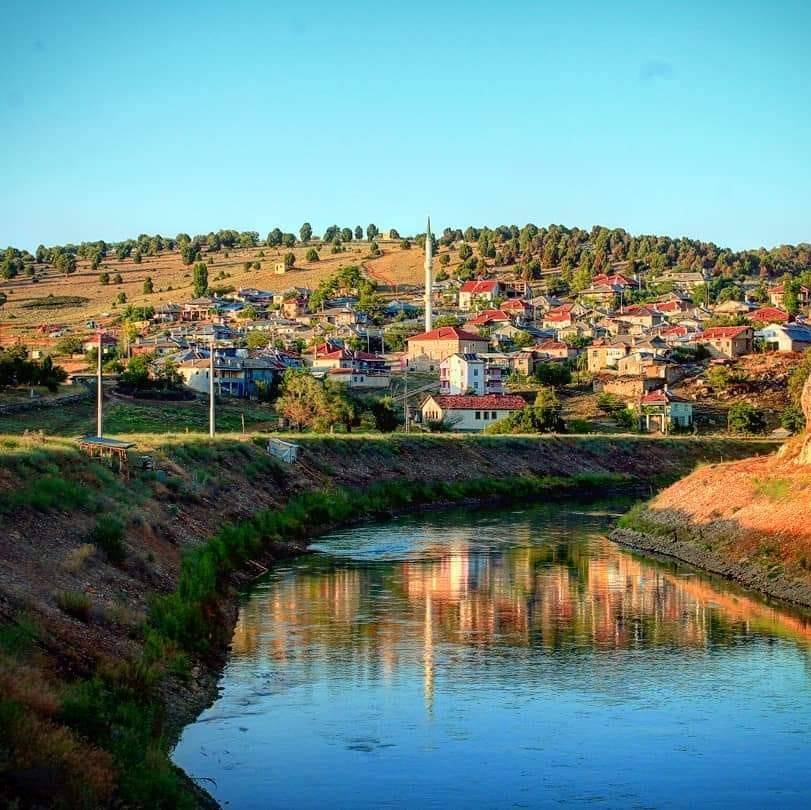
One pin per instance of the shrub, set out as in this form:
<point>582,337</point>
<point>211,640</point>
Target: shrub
<point>77,558</point>
<point>745,418</point>
<point>74,603</point>
<point>108,535</point>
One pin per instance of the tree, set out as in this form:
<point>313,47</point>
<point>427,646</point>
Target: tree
<point>444,259</point>
<point>306,232</point>
<point>289,260</point>
<point>543,416</point>
<point>553,374</point>
<point>65,263</point>
<point>358,233</point>
<point>301,399</point>
<point>745,418</point>
<point>405,244</point>
<point>118,279</point>
<point>136,257</point>
<point>189,253</point>
<point>275,238</point>
<point>394,233</point>
<point>374,249</point>
<point>346,234</point>
<point>200,279</point>
<point>385,415</point>
<point>104,278</point>
<point>148,287</point>
<point>465,251</point>
<point>288,240</point>
<point>371,232</point>
<point>121,298</point>
<point>257,340</point>
<point>312,255</point>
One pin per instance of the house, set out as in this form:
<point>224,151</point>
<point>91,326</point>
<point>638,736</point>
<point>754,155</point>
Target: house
<point>462,412</point>
<point>167,313</point>
<point>605,354</point>
<point>516,307</point>
<point>618,280</point>
<point>776,296</point>
<point>662,409</point>
<point>429,349</point>
<point>483,291</point>
<point>603,294</point>
<point>555,349</point>
<point>789,337</point>
<point>641,316</point>
<point>683,281</point>
<point>769,315</point>
<point>733,308</point>
<point>293,308</point>
<point>242,377</point>
<point>469,374</point>
<point>727,341</point>
<point>489,319</point>
<point>109,344</point>
<point>640,363</point>
<point>197,309</point>
<point>359,378</point>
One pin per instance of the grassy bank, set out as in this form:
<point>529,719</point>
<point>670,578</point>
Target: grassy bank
<point>118,596</point>
<point>745,520</point>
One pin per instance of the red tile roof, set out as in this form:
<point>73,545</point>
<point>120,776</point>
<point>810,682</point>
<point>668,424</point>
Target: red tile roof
<point>490,315</point>
<point>514,303</point>
<point>482,286</point>
<point>769,315</point>
<point>552,344</point>
<point>660,397</point>
<point>488,402</point>
<point>722,332</point>
<point>448,333</point>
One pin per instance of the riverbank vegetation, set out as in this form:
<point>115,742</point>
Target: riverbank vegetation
<point>115,595</point>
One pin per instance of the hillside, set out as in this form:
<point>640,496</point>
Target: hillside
<point>27,306</point>
<point>746,520</point>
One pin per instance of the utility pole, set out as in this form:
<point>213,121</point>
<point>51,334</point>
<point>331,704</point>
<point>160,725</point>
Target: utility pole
<point>99,393</point>
<point>211,422</point>
<point>405,398</point>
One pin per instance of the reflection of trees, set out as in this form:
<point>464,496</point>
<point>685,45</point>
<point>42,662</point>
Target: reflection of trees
<point>563,596</point>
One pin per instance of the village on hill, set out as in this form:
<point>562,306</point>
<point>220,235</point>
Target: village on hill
<point>470,331</point>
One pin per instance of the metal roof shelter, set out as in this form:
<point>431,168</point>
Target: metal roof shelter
<point>112,449</point>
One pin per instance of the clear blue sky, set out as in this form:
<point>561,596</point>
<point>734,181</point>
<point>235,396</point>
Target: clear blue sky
<point>686,118</point>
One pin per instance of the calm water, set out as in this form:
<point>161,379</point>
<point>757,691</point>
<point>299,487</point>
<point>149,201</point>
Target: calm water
<point>512,659</point>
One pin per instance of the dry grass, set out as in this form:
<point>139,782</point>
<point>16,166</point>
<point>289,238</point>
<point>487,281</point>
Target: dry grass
<point>167,271</point>
<point>77,559</point>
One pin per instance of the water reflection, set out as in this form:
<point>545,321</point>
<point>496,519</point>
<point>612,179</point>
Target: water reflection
<point>441,645</point>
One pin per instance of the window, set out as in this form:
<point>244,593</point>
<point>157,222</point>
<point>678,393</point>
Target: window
<point>494,415</point>
<point>487,414</point>
<point>478,415</point>
<point>475,372</point>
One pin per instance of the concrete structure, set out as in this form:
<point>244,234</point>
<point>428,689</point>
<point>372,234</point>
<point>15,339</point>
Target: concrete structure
<point>469,374</point>
<point>469,413</point>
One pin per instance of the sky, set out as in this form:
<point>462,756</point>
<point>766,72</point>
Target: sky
<point>686,119</point>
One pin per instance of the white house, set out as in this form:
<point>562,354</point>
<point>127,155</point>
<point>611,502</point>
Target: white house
<point>470,413</point>
<point>786,337</point>
<point>662,409</point>
<point>469,373</point>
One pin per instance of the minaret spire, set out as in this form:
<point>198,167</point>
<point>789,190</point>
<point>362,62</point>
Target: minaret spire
<point>429,247</point>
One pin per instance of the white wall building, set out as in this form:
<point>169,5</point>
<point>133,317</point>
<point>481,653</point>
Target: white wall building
<point>469,374</point>
<point>469,413</point>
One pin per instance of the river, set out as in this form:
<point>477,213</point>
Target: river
<point>511,658</point>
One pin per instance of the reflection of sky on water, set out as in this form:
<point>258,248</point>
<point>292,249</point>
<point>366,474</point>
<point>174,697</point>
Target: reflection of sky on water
<point>502,659</point>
